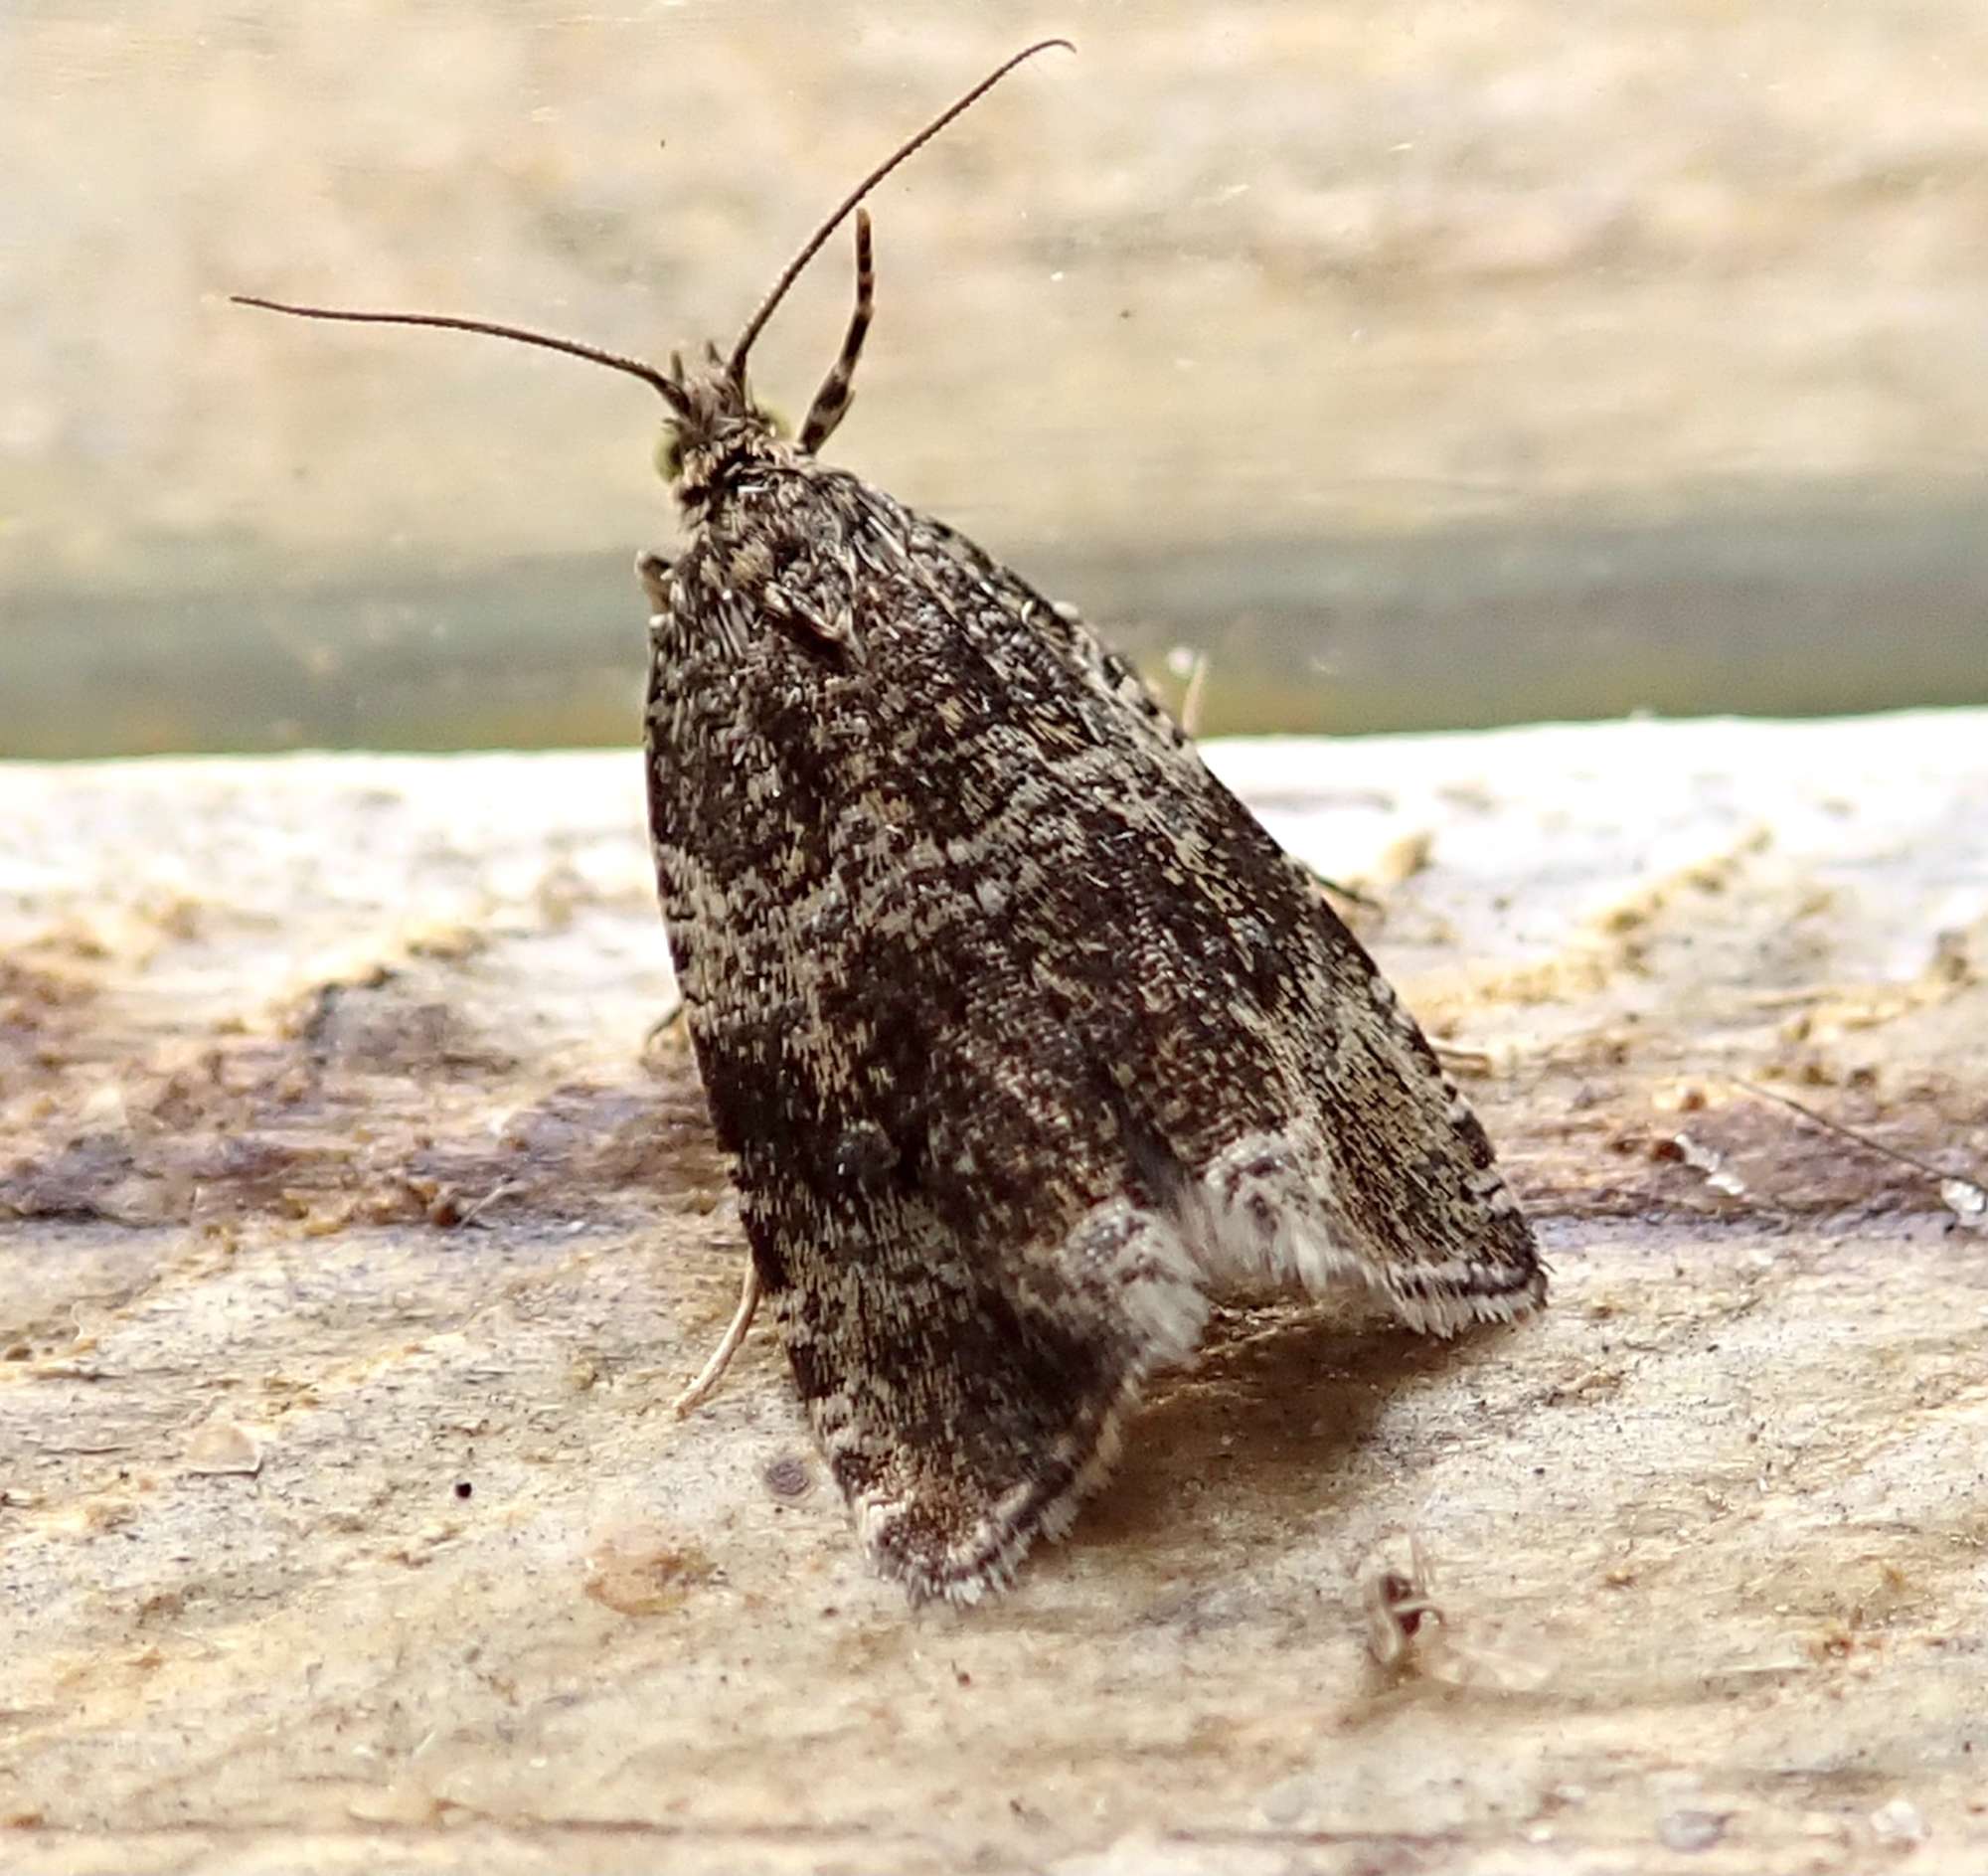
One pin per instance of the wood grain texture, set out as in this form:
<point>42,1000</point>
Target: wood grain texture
<point>334,1180</point>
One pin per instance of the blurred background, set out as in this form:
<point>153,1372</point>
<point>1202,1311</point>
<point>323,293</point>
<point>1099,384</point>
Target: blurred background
<point>1422,365</point>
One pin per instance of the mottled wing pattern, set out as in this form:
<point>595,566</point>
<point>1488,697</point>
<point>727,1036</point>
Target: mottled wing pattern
<point>1022,1031</point>
<point>1385,1173</point>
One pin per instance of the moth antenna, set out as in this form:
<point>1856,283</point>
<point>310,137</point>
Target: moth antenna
<point>813,246</point>
<point>832,401</point>
<point>671,394</point>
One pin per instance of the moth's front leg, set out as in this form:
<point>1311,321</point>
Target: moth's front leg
<point>653,570</point>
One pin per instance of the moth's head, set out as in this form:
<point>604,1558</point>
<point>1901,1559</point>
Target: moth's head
<point>712,421</point>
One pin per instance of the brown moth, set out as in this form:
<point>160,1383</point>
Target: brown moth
<point>1022,1034</point>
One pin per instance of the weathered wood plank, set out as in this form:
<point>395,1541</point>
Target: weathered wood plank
<point>352,1246</point>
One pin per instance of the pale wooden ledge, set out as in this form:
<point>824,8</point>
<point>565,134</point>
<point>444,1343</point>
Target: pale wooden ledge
<point>352,1247</point>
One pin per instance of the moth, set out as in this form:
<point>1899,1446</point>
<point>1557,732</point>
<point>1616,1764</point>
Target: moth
<point>1023,1037</point>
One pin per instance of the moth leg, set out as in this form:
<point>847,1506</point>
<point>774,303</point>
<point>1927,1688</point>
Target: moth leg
<point>1347,893</point>
<point>1189,718</point>
<point>665,1035</point>
<point>831,403</point>
<point>713,1371</point>
<point>1190,704</point>
<point>653,570</point>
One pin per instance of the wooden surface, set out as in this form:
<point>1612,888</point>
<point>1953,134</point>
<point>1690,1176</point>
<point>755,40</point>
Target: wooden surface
<point>352,1245</point>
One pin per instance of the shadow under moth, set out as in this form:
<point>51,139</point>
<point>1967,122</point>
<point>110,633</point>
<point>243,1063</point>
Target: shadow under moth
<point>1022,1035</point>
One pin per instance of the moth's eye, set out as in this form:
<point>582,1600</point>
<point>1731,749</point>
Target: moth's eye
<point>668,455</point>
